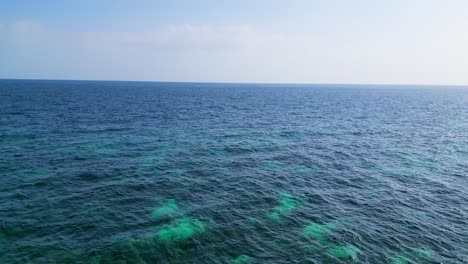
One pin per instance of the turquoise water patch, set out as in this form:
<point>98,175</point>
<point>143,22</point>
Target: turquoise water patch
<point>3,237</point>
<point>393,171</point>
<point>290,134</point>
<point>220,152</point>
<point>126,250</point>
<point>124,239</point>
<point>223,170</point>
<point>242,259</point>
<point>400,259</point>
<point>155,157</point>
<point>423,253</point>
<point>17,231</point>
<point>37,173</point>
<point>286,205</point>
<point>307,170</point>
<point>16,138</point>
<point>168,209</point>
<point>252,220</point>
<point>95,260</point>
<point>182,229</point>
<point>175,172</point>
<point>416,254</point>
<point>337,223</point>
<point>133,253</point>
<point>344,252</point>
<point>101,148</point>
<point>318,231</point>
<point>421,215</point>
<point>271,166</point>
<point>152,159</point>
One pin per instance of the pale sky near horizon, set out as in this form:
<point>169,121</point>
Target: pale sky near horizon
<point>296,41</point>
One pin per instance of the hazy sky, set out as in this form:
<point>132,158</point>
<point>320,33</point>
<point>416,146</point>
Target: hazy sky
<point>329,41</point>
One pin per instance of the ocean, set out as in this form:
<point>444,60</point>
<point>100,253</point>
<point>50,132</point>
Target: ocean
<point>153,172</point>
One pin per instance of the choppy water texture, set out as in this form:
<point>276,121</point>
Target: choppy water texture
<point>128,172</point>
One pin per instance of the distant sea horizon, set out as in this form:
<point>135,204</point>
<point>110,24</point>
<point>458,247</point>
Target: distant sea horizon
<point>249,83</point>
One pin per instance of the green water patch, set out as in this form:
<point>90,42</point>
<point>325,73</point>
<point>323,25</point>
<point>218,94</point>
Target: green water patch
<point>94,260</point>
<point>101,148</point>
<point>418,253</point>
<point>252,220</point>
<point>287,204</point>
<point>168,209</point>
<point>152,159</point>
<point>223,170</point>
<point>180,230</point>
<point>15,138</point>
<point>37,173</point>
<point>396,154</point>
<point>400,259</point>
<point>307,170</point>
<point>124,239</point>
<point>50,217</point>
<point>423,216</point>
<point>155,157</point>
<point>220,152</point>
<point>290,134</point>
<point>132,253</point>
<point>344,251</point>
<point>175,172</point>
<point>423,253</point>
<point>127,250</point>
<point>393,171</point>
<point>3,237</point>
<point>337,223</point>
<point>13,232</point>
<point>319,231</point>
<point>271,166</point>
<point>242,259</point>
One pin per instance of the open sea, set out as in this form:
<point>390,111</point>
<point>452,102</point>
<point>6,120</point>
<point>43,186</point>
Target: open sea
<point>147,172</point>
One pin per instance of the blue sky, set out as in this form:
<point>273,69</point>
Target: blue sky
<point>297,41</point>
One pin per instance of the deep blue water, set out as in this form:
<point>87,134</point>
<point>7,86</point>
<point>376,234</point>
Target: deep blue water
<point>135,172</point>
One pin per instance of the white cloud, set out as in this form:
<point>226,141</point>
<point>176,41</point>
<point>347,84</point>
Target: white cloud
<point>247,54</point>
<point>182,37</point>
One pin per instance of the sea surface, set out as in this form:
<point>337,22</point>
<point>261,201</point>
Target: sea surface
<point>148,172</point>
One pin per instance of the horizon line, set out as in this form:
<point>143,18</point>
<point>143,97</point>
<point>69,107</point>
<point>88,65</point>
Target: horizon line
<point>241,83</point>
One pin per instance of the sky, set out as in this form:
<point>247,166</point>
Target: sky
<point>289,41</point>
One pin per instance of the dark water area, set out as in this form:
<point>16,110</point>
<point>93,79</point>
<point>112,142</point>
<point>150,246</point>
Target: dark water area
<point>135,172</point>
